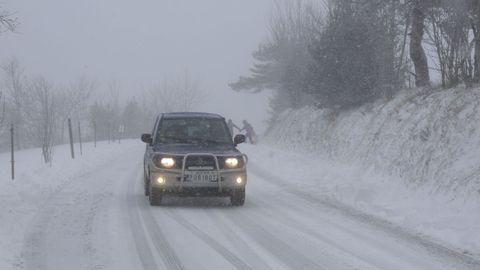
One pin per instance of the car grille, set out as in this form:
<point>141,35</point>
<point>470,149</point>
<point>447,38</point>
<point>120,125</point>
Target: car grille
<point>200,163</point>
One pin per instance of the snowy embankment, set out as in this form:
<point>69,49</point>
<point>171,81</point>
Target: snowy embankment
<point>35,183</point>
<point>414,161</point>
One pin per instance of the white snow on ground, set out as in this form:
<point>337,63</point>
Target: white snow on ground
<point>91,213</point>
<point>414,160</point>
<point>35,183</point>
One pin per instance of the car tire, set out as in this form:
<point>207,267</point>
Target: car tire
<point>155,196</point>
<point>146,184</point>
<point>237,198</point>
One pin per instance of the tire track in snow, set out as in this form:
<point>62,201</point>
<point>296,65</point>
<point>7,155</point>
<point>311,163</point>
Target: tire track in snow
<point>164,249</point>
<point>284,252</point>
<point>292,223</point>
<point>455,257</point>
<point>141,242</point>
<point>373,251</point>
<point>238,241</point>
<point>215,245</point>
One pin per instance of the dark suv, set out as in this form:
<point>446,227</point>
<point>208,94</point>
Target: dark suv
<point>193,154</point>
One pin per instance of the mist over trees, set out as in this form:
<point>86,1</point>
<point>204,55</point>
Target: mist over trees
<point>37,107</point>
<point>40,108</point>
<point>340,54</point>
<point>179,94</point>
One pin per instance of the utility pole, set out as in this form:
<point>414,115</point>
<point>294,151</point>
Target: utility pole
<point>71,137</point>
<point>13,152</point>
<point>80,138</point>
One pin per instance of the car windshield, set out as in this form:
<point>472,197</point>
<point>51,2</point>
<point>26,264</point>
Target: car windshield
<point>193,131</point>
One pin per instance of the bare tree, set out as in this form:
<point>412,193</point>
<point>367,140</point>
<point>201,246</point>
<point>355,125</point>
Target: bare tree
<point>189,93</point>
<point>74,101</point>
<point>14,83</point>
<point>473,6</point>
<point>417,53</point>
<point>2,109</point>
<point>449,34</point>
<point>401,67</point>
<point>7,21</point>
<point>182,94</point>
<point>2,115</point>
<point>42,99</point>
<point>80,91</point>
<point>114,89</point>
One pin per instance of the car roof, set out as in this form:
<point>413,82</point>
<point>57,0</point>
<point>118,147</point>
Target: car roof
<point>191,115</point>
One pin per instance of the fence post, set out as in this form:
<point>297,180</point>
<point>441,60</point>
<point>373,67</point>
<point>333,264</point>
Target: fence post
<point>109,133</point>
<point>121,130</point>
<point>71,137</point>
<point>95,134</point>
<point>12,148</point>
<point>80,138</point>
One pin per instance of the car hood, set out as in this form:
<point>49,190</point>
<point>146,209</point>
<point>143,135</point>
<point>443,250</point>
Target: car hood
<point>217,149</point>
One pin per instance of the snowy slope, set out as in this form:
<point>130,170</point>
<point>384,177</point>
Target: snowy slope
<point>413,160</point>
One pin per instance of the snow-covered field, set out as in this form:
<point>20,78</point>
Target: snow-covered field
<point>414,161</point>
<point>90,213</point>
<point>29,200</point>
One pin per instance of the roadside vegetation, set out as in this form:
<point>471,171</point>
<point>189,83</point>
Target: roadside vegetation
<point>40,108</point>
<point>342,54</point>
<point>391,86</point>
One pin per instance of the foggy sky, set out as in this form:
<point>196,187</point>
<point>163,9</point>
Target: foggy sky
<point>141,42</point>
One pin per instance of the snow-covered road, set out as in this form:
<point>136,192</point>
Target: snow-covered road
<point>100,219</point>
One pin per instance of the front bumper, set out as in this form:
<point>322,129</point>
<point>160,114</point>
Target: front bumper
<point>224,182</point>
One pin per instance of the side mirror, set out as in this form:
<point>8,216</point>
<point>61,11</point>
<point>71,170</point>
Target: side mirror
<point>147,138</point>
<point>240,138</point>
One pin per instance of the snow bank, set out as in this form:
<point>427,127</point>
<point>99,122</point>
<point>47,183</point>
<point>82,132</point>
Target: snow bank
<point>423,138</point>
<point>414,160</point>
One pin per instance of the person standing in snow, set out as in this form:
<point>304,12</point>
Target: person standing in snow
<point>249,132</point>
<point>231,125</point>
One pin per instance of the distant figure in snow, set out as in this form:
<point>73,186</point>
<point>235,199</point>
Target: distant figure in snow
<point>249,132</point>
<point>231,125</point>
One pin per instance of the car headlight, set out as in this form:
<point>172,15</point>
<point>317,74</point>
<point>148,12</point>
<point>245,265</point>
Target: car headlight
<point>167,162</point>
<point>231,162</point>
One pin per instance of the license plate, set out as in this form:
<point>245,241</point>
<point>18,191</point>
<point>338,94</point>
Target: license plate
<point>201,176</point>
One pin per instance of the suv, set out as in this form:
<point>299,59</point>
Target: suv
<point>193,154</point>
